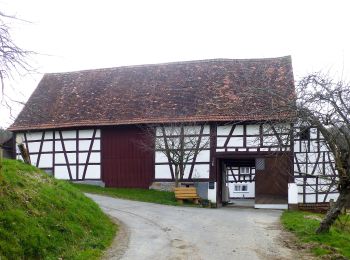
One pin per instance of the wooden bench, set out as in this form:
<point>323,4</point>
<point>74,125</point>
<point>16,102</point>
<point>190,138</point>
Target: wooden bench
<point>186,193</point>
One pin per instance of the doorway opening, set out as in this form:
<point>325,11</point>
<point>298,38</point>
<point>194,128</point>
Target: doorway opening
<point>238,182</point>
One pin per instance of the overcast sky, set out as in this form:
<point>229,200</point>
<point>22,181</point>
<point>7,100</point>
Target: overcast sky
<point>76,35</point>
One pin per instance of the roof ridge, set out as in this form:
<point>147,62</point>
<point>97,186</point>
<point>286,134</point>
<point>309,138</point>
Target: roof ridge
<point>172,63</point>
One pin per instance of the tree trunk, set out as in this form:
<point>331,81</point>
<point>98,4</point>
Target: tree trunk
<point>334,212</point>
<point>176,175</point>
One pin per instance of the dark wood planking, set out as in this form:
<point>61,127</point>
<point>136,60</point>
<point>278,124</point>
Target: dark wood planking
<point>271,184</point>
<point>126,162</point>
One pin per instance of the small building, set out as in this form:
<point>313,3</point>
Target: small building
<point>91,126</point>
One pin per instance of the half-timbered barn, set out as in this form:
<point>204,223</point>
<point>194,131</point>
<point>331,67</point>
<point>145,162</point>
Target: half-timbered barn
<point>90,126</point>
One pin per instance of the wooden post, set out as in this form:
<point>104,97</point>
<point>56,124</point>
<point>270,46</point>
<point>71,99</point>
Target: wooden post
<point>24,153</point>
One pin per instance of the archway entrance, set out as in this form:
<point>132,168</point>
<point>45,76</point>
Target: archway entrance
<point>259,180</point>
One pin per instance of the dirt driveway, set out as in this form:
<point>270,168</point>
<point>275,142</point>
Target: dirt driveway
<point>166,232</point>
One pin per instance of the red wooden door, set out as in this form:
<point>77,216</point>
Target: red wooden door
<point>271,183</point>
<point>127,157</point>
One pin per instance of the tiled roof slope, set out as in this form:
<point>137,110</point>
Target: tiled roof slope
<point>207,90</point>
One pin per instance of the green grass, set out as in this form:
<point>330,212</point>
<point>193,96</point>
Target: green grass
<point>43,218</point>
<point>304,224</point>
<point>155,196</point>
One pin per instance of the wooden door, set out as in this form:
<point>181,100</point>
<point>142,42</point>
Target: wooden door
<point>271,181</point>
<point>127,157</point>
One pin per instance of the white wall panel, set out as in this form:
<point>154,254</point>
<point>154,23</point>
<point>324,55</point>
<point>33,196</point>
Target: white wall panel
<point>87,133</point>
<point>270,140</point>
<point>70,145</point>
<point>93,172</point>
<point>59,158</point>
<point>95,158</point>
<point>98,133</point>
<point>238,130</point>
<point>253,130</point>
<point>82,157</point>
<point>235,142</point>
<point>71,158</point>
<point>58,146</point>
<point>96,145</point>
<point>162,172</point>
<point>46,161</point>
<point>203,156</point>
<point>253,141</point>
<point>200,171</point>
<point>69,134</point>
<point>34,147</point>
<point>61,172</point>
<point>84,145</point>
<point>161,157</point>
<point>220,141</point>
<point>34,136</point>
<point>47,146</point>
<point>20,137</point>
<point>33,158</point>
<point>48,135</point>
<point>223,130</point>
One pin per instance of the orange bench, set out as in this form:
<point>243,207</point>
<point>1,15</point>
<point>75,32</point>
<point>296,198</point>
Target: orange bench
<point>186,193</point>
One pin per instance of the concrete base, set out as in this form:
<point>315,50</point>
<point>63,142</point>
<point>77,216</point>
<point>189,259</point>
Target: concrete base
<point>91,182</point>
<point>271,206</point>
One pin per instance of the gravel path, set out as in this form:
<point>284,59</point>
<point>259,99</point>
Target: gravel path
<point>155,231</point>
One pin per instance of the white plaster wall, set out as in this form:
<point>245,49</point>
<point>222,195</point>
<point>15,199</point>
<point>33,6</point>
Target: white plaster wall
<point>47,146</point>
<point>253,141</point>
<point>162,172</point>
<point>160,157</point>
<point>61,172</point>
<point>245,194</point>
<point>34,147</point>
<point>253,130</point>
<point>203,156</point>
<point>68,134</point>
<point>235,142</point>
<point>220,141</point>
<point>84,145</point>
<point>292,193</point>
<point>223,130</point>
<point>34,136</point>
<point>86,133</point>
<point>46,159</point>
<point>93,172</point>
<point>212,194</point>
<point>238,130</point>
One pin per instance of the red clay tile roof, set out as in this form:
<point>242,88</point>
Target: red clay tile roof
<point>207,90</point>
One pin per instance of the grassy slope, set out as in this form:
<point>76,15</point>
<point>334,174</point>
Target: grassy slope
<point>45,218</point>
<point>304,224</point>
<point>155,196</point>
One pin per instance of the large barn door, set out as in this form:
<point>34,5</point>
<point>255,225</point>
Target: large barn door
<point>271,179</point>
<point>127,159</point>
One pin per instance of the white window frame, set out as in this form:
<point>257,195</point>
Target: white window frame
<point>240,188</point>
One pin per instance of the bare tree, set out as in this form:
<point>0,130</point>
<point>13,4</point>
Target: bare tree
<point>13,59</point>
<point>325,103</point>
<point>180,143</point>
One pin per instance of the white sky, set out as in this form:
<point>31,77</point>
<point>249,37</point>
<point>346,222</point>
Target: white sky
<point>77,35</point>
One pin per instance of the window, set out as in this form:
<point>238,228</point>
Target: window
<point>241,188</point>
<point>304,133</point>
<point>244,170</point>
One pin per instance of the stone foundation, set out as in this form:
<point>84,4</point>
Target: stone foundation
<point>163,186</point>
